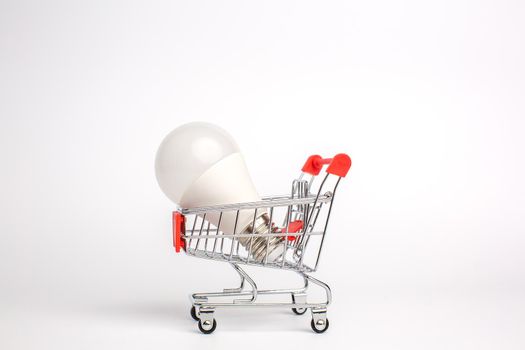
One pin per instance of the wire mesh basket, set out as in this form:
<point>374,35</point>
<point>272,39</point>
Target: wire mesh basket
<point>281,232</point>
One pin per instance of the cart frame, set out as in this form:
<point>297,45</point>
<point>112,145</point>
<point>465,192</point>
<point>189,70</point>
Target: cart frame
<point>306,218</point>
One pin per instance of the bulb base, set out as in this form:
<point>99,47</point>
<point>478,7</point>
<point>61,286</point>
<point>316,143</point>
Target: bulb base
<point>263,249</point>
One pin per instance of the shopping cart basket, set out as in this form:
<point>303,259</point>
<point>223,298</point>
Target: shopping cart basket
<point>298,242</point>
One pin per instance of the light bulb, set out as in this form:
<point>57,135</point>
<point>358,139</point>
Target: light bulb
<point>200,164</point>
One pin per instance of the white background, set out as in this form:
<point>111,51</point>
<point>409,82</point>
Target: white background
<point>425,250</point>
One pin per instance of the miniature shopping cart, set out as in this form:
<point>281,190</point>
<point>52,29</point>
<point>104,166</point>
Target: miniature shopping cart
<point>295,245</point>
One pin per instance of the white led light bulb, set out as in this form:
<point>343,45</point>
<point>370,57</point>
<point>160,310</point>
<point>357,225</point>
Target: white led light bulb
<point>199,164</point>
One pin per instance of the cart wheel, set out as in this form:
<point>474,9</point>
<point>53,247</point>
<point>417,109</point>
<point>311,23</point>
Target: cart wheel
<point>320,326</point>
<point>207,326</point>
<point>299,311</point>
<point>193,313</point>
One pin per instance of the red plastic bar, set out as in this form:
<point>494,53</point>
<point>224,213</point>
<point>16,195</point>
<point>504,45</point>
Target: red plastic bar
<point>293,227</point>
<point>178,229</point>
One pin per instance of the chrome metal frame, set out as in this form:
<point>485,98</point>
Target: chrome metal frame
<point>204,240</point>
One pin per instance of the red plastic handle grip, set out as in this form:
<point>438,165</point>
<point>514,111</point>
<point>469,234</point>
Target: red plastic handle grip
<point>178,230</point>
<point>338,165</point>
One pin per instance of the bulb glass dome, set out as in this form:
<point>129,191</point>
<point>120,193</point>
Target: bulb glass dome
<point>187,152</point>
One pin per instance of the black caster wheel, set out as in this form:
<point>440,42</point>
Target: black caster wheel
<point>193,313</point>
<point>207,327</point>
<point>320,326</point>
<point>299,311</point>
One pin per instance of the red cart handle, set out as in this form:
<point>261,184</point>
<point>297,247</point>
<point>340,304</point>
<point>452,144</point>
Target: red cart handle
<point>178,231</point>
<point>338,165</point>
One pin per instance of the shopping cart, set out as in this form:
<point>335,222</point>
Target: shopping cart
<point>295,245</point>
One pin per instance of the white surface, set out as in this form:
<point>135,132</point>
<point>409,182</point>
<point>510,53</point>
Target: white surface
<point>426,245</point>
